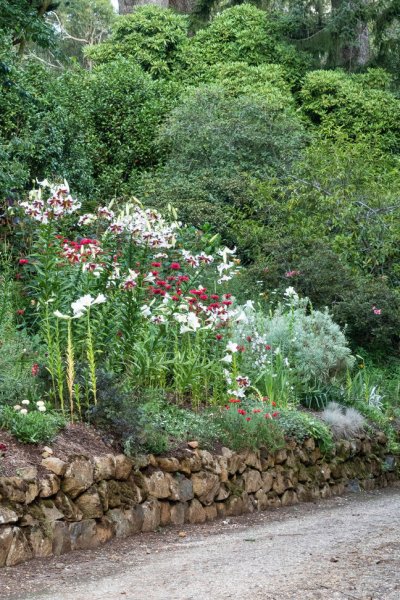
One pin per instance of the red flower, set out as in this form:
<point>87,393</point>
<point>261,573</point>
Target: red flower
<point>175,266</point>
<point>35,369</point>
<point>241,411</point>
<point>233,400</point>
<point>273,403</point>
<point>218,336</point>
<point>248,338</point>
<point>183,278</point>
<point>248,418</point>
<point>240,348</point>
<point>268,347</point>
<point>227,406</point>
<point>175,298</point>
<point>256,410</point>
<point>275,414</point>
<point>214,296</point>
<point>20,311</point>
<point>267,416</point>
<point>227,295</point>
<point>203,297</point>
<point>3,447</point>
<point>23,261</point>
<point>156,264</point>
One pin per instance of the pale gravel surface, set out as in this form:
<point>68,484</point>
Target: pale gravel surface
<point>343,548</point>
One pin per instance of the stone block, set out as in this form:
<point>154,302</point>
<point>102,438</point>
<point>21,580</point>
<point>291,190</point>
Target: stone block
<point>104,467</point>
<point>151,515</point>
<point>78,476</point>
<point>181,488</point>
<point>123,467</point>
<point>196,512</point>
<point>89,504</point>
<point>49,485</point>
<point>252,480</point>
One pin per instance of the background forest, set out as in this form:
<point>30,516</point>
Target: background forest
<point>273,126</point>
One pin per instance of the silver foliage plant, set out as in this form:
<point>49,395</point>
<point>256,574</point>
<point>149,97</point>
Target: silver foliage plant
<point>314,347</point>
<point>345,423</point>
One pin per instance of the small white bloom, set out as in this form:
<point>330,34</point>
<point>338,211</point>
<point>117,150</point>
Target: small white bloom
<point>227,358</point>
<point>40,403</point>
<point>23,411</point>
<point>17,407</point>
<point>145,310</point>
<point>26,402</point>
<point>231,347</point>
<point>41,408</point>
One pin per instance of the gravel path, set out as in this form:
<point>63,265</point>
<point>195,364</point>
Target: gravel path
<point>343,548</point>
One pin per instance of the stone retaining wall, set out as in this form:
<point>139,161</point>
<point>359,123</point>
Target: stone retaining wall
<point>86,501</point>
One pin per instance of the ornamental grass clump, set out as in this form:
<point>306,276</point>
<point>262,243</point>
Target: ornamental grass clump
<point>345,423</point>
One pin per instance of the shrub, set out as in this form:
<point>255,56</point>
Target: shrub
<point>32,428</point>
<point>344,422</point>
<point>337,102</point>
<point>301,425</point>
<point>151,36</point>
<point>311,344</point>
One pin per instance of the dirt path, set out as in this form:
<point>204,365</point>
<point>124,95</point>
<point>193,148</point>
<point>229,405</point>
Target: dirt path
<point>344,548</point>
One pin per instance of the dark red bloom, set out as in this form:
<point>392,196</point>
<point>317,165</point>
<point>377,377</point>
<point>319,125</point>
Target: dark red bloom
<point>267,416</point>
<point>240,348</point>
<point>175,298</point>
<point>248,418</point>
<point>234,400</point>
<point>203,297</point>
<point>175,266</point>
<point>156,264</point>
<point>218,336</point>
<point>20,311</point>
<point>23,261</point>
<point>3,447</point>
<point>241,411</point>
<point>214,296</point>
<point>275,414</point>
<point>273,403</point>
<point>248,338</point>
<point>268,347</point>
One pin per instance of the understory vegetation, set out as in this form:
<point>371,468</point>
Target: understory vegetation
<point>199,223</point>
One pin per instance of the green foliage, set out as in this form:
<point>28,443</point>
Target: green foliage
<point>242,33</point>
<point>32,428</point>
<point>250,425</point>
<point>151,36</point>
<point>216,144</point>
<point>341,103</point>
<point>301,425</point>
<point>24,21</point>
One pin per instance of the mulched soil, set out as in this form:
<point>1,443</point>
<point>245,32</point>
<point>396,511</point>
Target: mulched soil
<point>74,439</point>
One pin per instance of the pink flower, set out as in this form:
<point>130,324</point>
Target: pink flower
<point>292,273</point>
<point>23,261</point>
<point>35,369</point>
<point>376,311</point>
<point>175,266</point>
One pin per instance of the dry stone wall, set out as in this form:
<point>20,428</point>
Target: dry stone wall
<point>86,501</point>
